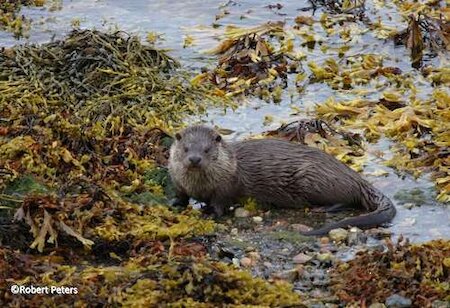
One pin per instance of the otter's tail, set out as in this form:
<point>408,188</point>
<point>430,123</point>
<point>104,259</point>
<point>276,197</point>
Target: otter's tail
<point>373,199</point>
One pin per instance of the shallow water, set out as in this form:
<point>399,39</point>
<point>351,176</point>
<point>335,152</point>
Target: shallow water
<point>175,19</point>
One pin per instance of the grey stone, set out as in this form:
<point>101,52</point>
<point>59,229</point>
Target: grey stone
<point>398,301</point>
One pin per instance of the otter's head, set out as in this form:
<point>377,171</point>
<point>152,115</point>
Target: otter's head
<point>196,147</point>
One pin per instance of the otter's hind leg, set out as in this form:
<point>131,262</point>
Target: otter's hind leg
<point>220,205</point>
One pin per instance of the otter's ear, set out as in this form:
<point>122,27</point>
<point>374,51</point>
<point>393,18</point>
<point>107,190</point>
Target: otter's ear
<point>178,136</point>
<point>218,138</point>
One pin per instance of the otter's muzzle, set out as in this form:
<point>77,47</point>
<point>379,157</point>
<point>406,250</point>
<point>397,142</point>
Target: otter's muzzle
<point>195,161</point>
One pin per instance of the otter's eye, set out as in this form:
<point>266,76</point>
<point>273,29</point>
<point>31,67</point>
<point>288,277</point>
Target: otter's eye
<point>186,149</point>
<point>207,150</point>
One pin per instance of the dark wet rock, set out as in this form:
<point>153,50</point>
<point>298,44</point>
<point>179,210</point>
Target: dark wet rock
<point>338,235</point>
<point>21,238</point>
<point>398,301</point>
<point>225,252</point>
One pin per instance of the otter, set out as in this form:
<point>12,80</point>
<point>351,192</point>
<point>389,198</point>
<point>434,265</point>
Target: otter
<point>207,168</point>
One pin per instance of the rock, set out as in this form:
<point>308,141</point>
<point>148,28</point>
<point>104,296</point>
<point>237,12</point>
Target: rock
<point>257,219</point>
<point>380,233</point>
<point>254,256</point>
<point>324,257</point>
<point>267,264</point>
<point>234,231</point>
<point>377,305</point>
<point>398,301</point>
<point>408,222</point>
<point>235,261</point>
<point>356,236</point>
<point>317,293</point>
<point>250,249</point>
<point>300,227</point>
<point>246,262</point>
<point>288,275</point>
<point>301,258</point>
<point>326,248</point>
<point>338,235</point>
<point>240,212</point>
<point>324,240</point>
<point>409,205</point>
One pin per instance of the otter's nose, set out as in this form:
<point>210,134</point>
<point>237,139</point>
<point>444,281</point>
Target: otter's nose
<point>195,160</point>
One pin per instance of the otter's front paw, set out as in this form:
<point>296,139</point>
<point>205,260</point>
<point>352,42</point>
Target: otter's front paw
<point>219,210</point>
<point>179,202</point>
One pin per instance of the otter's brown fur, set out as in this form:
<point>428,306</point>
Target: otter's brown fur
<point>271,171</point>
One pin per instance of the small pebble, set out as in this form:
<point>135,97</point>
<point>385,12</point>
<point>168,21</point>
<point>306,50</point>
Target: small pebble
<point>254,255</point>
<point>325,248</point>
<point>267,264</point>
<point>338,235</point>
<point>234,231</point>
<point>398,301</point>
<point>301,258</point>
<point>409,205</point>
<point>324,240</point>
<point>246,262</point>
<point>300,228</point>
<point>324,257</point>
<point>408,222</point>
<point>257,219</point>
<point>240,212</point>
<point>356,236</point>
<point>288,275</point>
<point>380,233</point>
<point>235,261</point>
<point>317,293</point>
<point>249,248</point>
